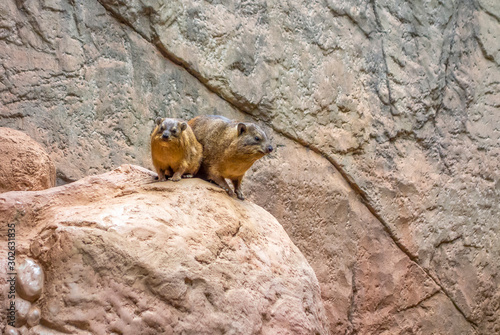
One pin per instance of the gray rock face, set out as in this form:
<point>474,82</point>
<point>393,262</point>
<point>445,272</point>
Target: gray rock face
<point>401,98</point>
<point>86,87</point>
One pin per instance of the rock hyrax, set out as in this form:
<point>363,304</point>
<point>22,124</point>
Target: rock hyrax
<point>174,149</point>
<point>229,149</point>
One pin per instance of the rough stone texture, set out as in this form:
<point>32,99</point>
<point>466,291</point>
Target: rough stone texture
<point>86,87</point>
<point>25,166</point>
<point>401,98</point>
<point>368,284</point>
<point>122,254</point>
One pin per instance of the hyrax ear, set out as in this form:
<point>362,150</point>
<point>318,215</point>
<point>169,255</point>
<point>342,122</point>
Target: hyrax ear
<point>183,125</point>
<point>241,128</point>
<point>158,120</point>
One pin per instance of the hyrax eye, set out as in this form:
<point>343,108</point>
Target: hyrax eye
<point>257,138</point>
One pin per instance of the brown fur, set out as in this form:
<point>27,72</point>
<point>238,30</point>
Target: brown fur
<point>178,154</point>
<point>229,149</point>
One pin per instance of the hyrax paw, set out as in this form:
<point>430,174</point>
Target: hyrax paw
<point>175,178</point>
<point>187,176</point>
<point>240,195</point>
<point>229,192</point>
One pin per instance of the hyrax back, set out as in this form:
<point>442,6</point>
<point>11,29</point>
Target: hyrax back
<point>174,149</point>
<point>229,149</point>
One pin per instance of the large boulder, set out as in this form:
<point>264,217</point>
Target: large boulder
<point>124,254</point>
<point>25,166</point>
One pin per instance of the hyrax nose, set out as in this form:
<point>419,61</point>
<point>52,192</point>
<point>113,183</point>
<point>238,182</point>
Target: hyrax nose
<point>269,148</point>
<point>165,136</point>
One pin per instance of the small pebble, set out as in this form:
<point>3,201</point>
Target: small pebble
<point>22,309</point>
<point>11,331</point>
<point>34,316</point>
<point>29,280</point>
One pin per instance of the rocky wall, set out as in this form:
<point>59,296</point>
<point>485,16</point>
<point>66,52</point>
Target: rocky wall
<point>401,100</point>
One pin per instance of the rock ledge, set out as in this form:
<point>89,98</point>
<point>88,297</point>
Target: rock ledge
<point>124,255</point>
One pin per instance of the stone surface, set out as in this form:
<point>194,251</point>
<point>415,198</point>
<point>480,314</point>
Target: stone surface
<point>86,87</point>
<point>368,284</point>
<point>29,280</point>
<point>25,164</point>
<point>22,309</point>
<point>124,254</point>
<point>33,317</point>
<point>401,98</point>
<point>11,331</point>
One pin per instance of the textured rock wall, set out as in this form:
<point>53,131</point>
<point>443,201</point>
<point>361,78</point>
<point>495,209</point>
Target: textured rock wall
<point>87,87</point>
<point>400,98</point>
<point>369,285</point>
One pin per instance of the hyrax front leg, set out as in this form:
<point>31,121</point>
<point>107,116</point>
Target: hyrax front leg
<point>178,174</point>
<point>237,187</point>
<point>161,174</point>
<point>222,183</point>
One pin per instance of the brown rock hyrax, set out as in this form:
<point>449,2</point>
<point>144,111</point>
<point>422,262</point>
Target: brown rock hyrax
<point>229,149</point>
<point>174,149</point>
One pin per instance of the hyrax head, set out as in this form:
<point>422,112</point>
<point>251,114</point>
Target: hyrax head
<point>252,140</point>
<point>168,129</point>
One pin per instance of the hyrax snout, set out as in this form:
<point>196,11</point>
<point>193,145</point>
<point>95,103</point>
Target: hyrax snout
<point>229,149</point>
<point>174,149</point>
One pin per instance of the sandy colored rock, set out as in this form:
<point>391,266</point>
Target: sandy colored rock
<point>11,331</point>
<point>29,280</point>
<point>124,254</point>
<point>22,309</point>
<point>25,164</point>
<point>33,317</point>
